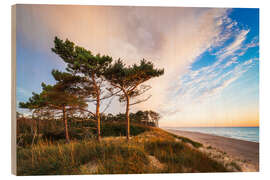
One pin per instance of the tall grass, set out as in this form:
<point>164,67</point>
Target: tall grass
<point>113,155</point>
<point>181,158</point>
<point>184,139</point>
<point>111,158</point>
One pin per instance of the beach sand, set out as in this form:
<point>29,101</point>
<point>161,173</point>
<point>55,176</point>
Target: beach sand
<point>245,153</point>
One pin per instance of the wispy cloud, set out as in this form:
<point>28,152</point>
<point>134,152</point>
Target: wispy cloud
<point>196,86</point>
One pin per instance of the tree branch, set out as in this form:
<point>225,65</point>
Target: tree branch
<point>86,111</point>
<point>139,101</point>
<point>137,84</point>
<point>107,106</point>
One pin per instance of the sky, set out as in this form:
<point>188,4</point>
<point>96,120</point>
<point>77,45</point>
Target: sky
<point>210,56</point>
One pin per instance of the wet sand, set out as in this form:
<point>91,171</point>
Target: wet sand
<point>240,149</point>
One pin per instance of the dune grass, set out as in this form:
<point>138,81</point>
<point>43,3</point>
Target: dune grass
<point>58,159</point>
<point>114,155</point>
<point>186,140</point>
<point>181,158</point>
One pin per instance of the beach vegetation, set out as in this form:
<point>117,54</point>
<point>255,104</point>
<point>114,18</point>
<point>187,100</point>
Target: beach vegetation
<point>152,151</point>
<point>186,140</point>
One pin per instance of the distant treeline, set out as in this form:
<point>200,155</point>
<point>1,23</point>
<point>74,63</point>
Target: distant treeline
<point>148,118</point>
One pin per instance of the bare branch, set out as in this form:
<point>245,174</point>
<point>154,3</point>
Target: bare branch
<point>143,89</point>
<point>105,96</point>
<point>137,84</point>
<point>86,111</point>
<point>142,100</point>
<point>107,106</point>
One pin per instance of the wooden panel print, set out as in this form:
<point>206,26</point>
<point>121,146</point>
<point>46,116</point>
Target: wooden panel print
<point>131,90</point>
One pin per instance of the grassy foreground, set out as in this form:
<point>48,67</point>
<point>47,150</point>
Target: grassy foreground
<point>153,151</point>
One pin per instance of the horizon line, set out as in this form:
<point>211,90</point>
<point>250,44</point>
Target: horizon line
<point>205,126</point>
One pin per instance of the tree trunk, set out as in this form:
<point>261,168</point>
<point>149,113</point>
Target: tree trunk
<point>98,117</point>
<point>97,106</point>
<point>127,118</point>
<point>65,122</point>
<point>38,125</point>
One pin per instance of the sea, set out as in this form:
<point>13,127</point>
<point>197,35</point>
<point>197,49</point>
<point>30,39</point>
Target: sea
<point>242,133</point>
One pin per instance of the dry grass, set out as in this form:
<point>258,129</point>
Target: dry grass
<point>153,151</point>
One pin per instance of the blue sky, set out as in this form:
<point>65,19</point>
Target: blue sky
<point>210,56</point>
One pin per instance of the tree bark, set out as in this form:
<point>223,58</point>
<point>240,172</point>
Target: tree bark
<point>38,125</point>
<point>66,125</point>
<point>127,118</point>
<point>97,106</point>
<point>98,117</point>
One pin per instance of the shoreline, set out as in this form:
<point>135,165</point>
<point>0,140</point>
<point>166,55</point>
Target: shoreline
<point>246,153</point>
<point>172,129</point>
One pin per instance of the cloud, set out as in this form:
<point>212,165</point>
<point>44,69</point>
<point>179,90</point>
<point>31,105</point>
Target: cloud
<point>230,62</point>
<point>206,84</point>
<point>215,73</point>
<point>201,86</point>
<point>236,45</point>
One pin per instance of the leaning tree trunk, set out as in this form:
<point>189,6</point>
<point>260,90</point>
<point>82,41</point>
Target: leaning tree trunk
<point>66,124</point>
<point>127,118</point>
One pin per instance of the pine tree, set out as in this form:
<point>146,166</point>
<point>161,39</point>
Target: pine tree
<point>92,67</point>
<point>129,80</point>
<point>65,95</point>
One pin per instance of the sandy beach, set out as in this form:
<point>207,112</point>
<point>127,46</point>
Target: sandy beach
<point>244,152</point>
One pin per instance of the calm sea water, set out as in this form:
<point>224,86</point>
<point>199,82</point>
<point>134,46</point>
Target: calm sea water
<point>243,133</point>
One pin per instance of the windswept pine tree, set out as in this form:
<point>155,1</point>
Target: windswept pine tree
<point>81,61</point>
<point>64,96</point>
<point>129,80</point>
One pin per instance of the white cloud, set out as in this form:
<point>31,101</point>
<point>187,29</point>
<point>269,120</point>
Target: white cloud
<point>230,62</point>
<point>205,85</point>
<point>236,45</point>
